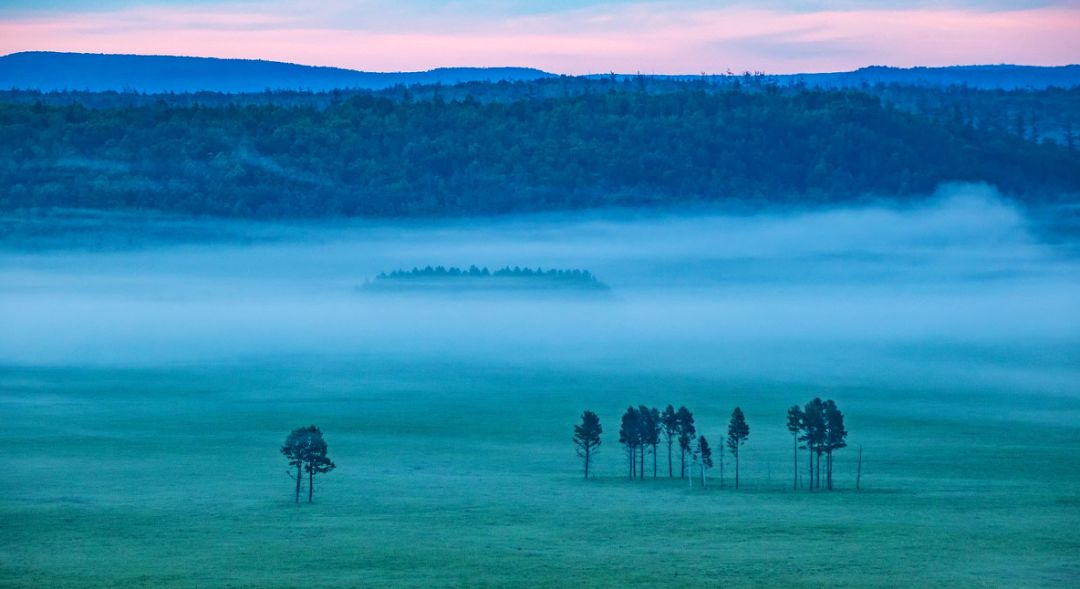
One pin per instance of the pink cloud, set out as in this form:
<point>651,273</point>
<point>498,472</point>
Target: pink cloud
<point>646,38</point>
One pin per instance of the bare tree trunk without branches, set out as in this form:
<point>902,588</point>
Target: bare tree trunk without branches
<point>858,473</point>
<point>795,456</point>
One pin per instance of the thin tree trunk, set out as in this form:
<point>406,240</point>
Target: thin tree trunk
<point>858,473</point>
<point>654,446</point>
<point>586,463</point>
<point>702,475</point>
<point>670,471</point>
<point>817,475</point>
<point>736,468</point>
<point>795,456</point>
<point>310,485</point>
<point>810,467</point>
<point>299,476</point>
<point>828,469</point>
<point>641,472</point>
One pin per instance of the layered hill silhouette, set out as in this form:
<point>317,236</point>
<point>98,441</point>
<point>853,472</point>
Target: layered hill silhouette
<point>50,71</point>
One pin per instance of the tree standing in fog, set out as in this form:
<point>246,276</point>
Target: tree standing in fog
<point>687,431</point>
<point>629,434</point>
<point>587,438</point>
<point>669,422</point>
<point>294,450</point>
<point>316,461</point>
<point>794,426</point>
<point>706,457</point>
<point>738,432</point>
<point>835,435</point>
<point>650,433</point>
<point>306,450</point>
<point>813,427</point>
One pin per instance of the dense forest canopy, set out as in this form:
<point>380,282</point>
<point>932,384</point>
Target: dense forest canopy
<point>496,148</point>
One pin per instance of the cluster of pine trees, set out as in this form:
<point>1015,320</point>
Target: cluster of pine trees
<point>428,272</point>
<point>819,426</point>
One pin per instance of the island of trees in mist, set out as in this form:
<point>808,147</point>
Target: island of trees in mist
<point>489,148</point>
<point>474,276</point>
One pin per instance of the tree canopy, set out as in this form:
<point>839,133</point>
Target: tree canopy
<point>375,155</point>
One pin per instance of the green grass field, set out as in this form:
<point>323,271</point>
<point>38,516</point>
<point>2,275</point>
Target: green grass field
<point>461,473</point>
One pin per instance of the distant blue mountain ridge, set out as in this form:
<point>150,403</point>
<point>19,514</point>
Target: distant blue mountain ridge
<point>49,71</point>
<point>53,71</point>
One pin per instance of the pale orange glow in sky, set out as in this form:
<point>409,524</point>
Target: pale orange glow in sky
<point>650,38</point>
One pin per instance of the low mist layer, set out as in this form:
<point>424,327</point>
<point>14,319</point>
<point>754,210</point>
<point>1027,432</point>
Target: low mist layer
<point>957,285</point>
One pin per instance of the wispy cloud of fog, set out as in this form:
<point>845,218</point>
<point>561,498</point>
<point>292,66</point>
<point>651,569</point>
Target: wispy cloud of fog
<point>953,283</point>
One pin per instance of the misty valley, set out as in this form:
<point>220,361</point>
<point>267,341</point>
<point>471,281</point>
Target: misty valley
<point>173,389</point>
<point>563,294</point>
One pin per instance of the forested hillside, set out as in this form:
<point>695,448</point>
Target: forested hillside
<point>365,154</point>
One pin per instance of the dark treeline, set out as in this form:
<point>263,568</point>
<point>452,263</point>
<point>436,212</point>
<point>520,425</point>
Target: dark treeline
<point>441,272</point>
<point>643,431</point>
<point>381,155</point>
<point>1051,114</point>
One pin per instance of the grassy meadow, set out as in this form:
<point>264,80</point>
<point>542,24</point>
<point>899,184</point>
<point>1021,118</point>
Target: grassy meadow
<point>148,377</point>
<point>455,473</point>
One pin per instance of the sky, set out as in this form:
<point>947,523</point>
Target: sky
<point>561,36</point>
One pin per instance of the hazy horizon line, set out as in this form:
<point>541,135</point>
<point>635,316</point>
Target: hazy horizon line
<point>553,73</point>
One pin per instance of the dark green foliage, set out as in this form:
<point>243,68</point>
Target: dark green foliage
<point>686,431</point>
<point>705,456</point>
<point>381,156</point>
<point>506,277</point>
<point>738,432</point>
<point>813,436</point>
<point>650,434</point>
<point>705,452</point>
<point>794,426</point>
<point>630,436</point>
<point>669,423</point>
<point>305,448</point>
<point>835,436</point>
<point>587,438</point>
<point>821,429</point>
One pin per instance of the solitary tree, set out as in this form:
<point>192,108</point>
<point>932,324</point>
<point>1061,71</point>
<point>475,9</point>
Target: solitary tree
<point>738,432</point>
<point>794,426</point>
<point>587,438</point>
<point>835,436</point>
<point>706,457</point>
<point>686,437</point>
<point>305,448</point>
<point>669,422</point>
